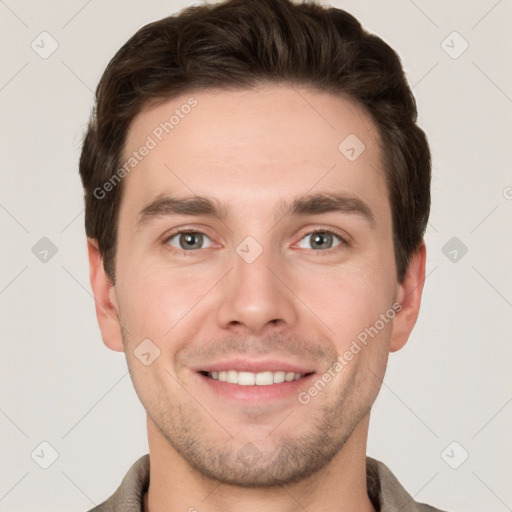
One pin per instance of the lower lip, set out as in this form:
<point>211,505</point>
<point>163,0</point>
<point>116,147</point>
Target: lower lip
<point>257,393</point>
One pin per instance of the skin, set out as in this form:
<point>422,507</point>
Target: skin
<point>296,302</point>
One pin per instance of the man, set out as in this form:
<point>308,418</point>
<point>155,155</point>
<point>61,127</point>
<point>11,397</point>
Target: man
<point>256,192</point>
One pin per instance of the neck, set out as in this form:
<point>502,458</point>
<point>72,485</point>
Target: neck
<point>176,486</point>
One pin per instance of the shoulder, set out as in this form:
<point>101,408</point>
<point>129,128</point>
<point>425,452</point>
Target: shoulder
<point>387,493</point>
<point>129,495</point>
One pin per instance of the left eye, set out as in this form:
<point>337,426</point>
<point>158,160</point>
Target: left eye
<point>188,240</point>
<point>322,240</point>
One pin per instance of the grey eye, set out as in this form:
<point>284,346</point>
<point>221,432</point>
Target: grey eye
<point>322,240</point>
<point>188,240</point>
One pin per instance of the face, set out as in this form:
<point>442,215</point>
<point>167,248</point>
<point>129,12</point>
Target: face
<point>281,268</point>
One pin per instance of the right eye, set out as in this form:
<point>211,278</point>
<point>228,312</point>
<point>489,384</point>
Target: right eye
<point>187,240</point>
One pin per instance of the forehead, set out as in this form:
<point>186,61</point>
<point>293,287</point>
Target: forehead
<point>252,145</point>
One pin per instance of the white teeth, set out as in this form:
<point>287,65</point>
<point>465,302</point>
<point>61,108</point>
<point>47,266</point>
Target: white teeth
<point>252,379</point>
<point>232,377</point>
<point>245,378</point>
<point>279,377</point>
<point>289,376</point>
<point>264,379</point>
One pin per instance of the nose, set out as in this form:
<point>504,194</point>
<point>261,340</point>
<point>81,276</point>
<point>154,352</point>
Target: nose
<point>257,296</point>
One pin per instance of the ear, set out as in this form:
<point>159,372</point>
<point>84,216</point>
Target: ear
<point>409,296</point>
<point>107,309</point>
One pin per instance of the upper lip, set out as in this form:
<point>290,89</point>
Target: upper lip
<point>254,366</point>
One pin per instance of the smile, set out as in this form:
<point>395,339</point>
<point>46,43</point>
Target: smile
<point>242,378</point>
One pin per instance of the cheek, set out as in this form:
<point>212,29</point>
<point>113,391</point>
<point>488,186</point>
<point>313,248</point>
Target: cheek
<point>348,300</point>
<point>155,299</point>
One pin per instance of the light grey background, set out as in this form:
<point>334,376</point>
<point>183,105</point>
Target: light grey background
<point>62,386</point>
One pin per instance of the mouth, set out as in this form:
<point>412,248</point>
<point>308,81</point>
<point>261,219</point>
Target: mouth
<point>243,378</point>
<point>248,388</point>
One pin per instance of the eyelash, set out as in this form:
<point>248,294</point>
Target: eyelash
<point>165,242</point>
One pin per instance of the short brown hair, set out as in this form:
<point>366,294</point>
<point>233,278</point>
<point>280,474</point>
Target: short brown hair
<point>244,43</point>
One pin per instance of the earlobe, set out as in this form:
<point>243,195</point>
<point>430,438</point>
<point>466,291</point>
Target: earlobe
<point>107,309</point>
<point>409,296</point>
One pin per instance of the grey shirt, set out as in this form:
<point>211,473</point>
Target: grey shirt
<point>384,490</point>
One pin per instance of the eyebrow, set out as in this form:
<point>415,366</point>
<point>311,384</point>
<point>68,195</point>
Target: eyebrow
<point>169,205</point>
